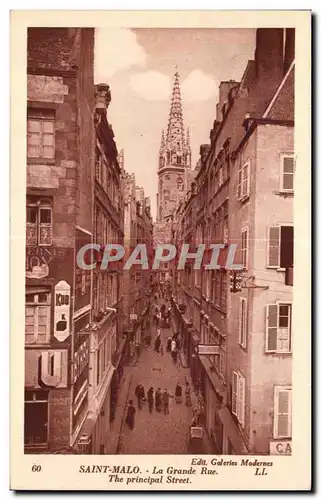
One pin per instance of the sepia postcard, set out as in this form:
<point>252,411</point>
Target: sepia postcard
<point>160,250</point>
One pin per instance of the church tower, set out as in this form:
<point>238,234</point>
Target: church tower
<point>174,159</point>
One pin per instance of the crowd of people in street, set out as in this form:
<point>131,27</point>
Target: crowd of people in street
<point>158,400</point>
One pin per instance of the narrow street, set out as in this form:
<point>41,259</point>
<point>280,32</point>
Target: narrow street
<point>156,433</point>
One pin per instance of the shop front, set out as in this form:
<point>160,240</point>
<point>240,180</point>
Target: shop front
<point>118,361</point>
<point>233,442</point>
<point>215,390</point>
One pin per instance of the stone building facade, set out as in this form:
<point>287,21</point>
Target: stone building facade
<point>107,340</point>
<point>137,281</point>
<point>244,375</point>
<point>60,166</point>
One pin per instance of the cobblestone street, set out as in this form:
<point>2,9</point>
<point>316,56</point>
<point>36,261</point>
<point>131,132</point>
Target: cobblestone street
<point>156,433</point>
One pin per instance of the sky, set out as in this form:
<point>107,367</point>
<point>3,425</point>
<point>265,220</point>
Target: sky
<point>139,64</point>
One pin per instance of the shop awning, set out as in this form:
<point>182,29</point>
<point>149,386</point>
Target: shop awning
<point>214,378</point>
<point>232,431</point>
<point>118,354</point>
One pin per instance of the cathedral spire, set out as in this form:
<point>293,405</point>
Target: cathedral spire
<point>188,139</point>
<point>174,150</point>
<point>162,146</point>
<point>175,128</point>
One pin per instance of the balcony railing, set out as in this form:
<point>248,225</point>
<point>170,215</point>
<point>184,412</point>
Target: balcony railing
<point>289,276</point>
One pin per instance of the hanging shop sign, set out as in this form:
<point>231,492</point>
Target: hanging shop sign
<point>62,311</point>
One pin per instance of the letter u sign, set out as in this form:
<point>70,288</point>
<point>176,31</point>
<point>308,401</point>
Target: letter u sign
<point>51,368</point>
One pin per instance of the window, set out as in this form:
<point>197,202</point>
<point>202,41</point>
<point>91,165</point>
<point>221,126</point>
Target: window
<point>225,230</point>
<point>39,222</point>
<point>238,397</point>
<point>36,418</point>
<point>278,328</point>
<point>282,412</point>
<point>280,246</point>
<point>244,248</point>
<point>98,165</point>
<point>166,194</point>
<point>167,177</point>
<point>41,135</point>
<point>37,318</point>
<point>243,186</point>
<point>287,173</point>
<point>243,322</point>
<point>98,365</point>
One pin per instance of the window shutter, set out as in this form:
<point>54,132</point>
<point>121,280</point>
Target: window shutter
<point>283,413</point>
<point>271,327</point>
<point>45,228</point>
<point>243,322</point>
<point>245,180</point>
<point>239,185</point>
<point>234,393</point>
<point>241,399</point>
<point>288,173</point>
<point>274,246</point>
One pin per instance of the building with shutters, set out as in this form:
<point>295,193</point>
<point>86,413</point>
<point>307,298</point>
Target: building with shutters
<point>138,229</point>
<point>261,200</point>
<point>243,194</point>
<point>107,340</point>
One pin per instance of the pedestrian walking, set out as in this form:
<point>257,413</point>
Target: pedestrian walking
<point>150,399</point>
<point>178,393</point>
<point>188,399</point>
<point>162,350</point>
<point>173,345</point>
<point>165,398</point>
<point>142,393</point>
<point>139,393</point>
<point>169,344</point>
<point>158,399</point>
<point>130,418</point>
<point>174,356</point>
<point>178,344</point>
<point>157,344</point>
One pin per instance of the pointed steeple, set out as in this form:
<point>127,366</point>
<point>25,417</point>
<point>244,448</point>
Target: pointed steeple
<point>175,151</point>
<point>175,128</point>
<point>188,139</point>
<point>162,146</point>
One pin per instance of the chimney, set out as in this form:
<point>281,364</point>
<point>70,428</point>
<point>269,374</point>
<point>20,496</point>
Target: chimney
<point>103,96</point>
<point>246,122</point>
<point>224,90</point>
<point>289,49</point>
<point>204,150</point>
<point>269,54</point>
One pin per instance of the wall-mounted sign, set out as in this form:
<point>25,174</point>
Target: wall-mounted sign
<point>46,368</point>
<point>43,262</point>
<point>83,277</point>
<point>62,311</point>
<point>281,447</point>
<point>81,359</point>
<point>208,350</point>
